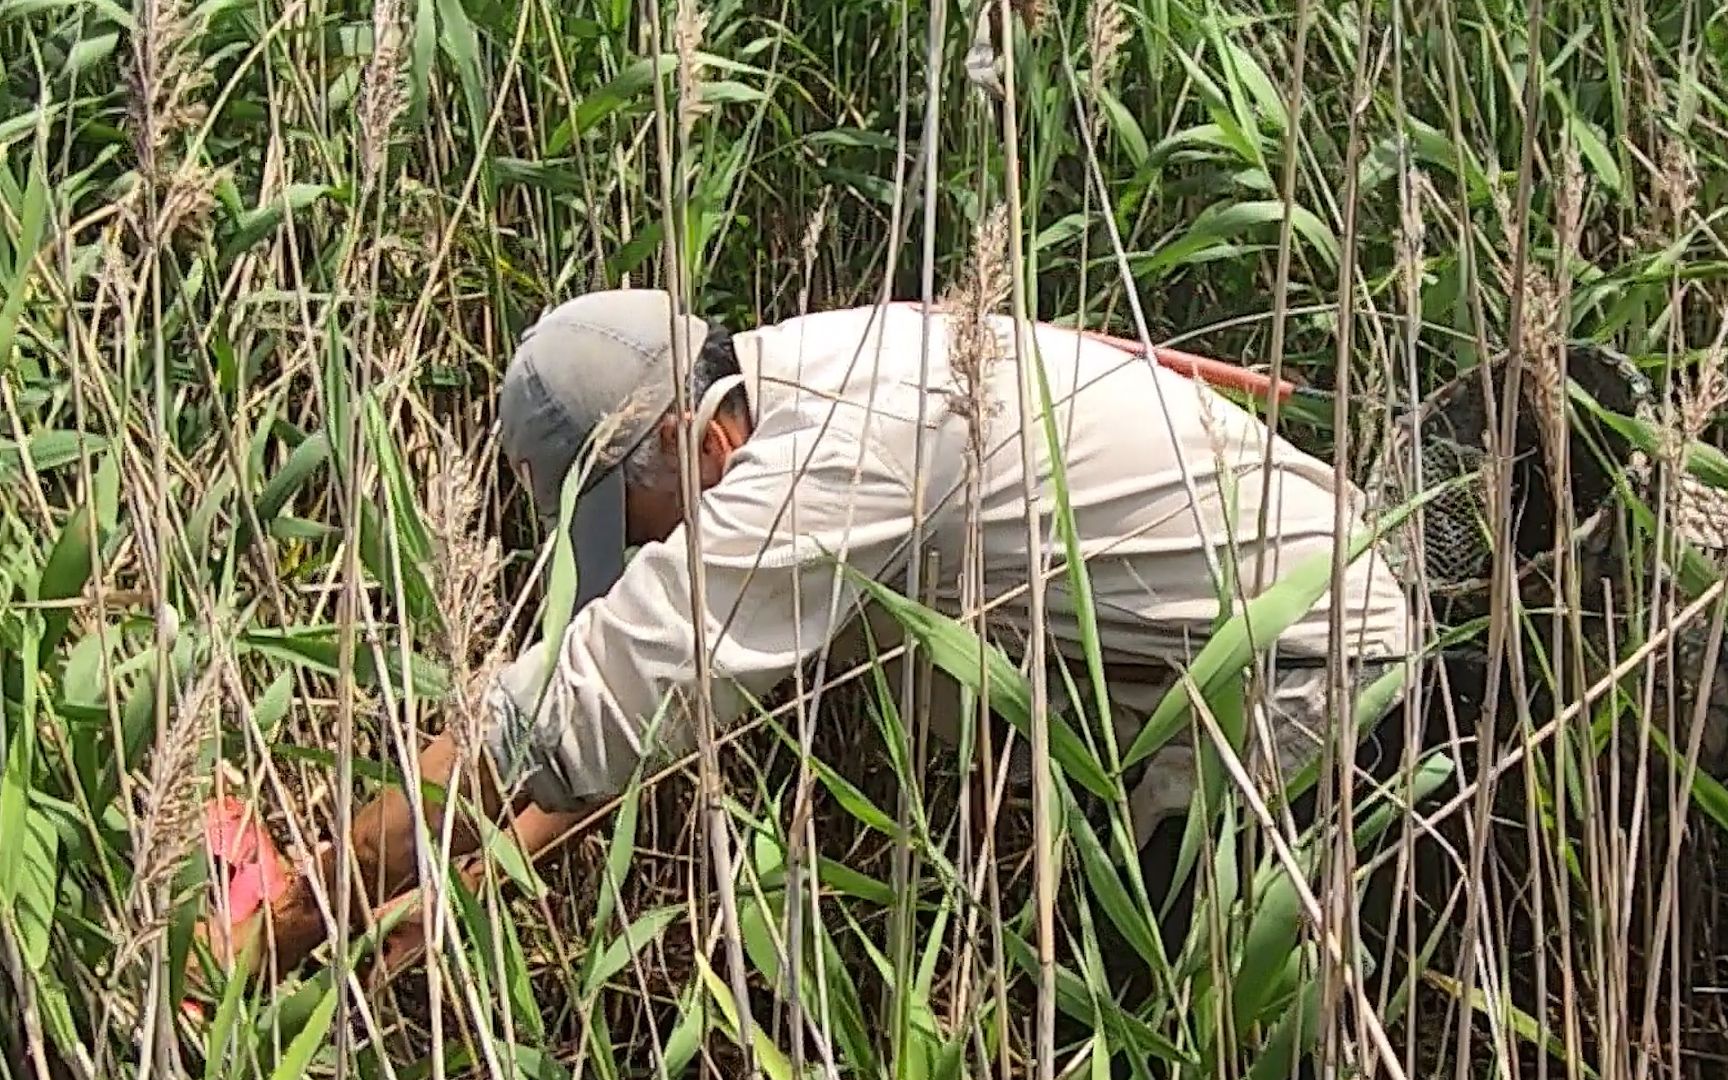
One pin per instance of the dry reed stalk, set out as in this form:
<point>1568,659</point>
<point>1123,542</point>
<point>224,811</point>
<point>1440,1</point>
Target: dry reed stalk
<point>163,80</point>
<point>1044,854</point>
<point>716,822</point>
<point>1566,644</point>
<point>1675,193</point>
<point>972,346</point>
<point>802,826</point>
<point>1409,262</point>
<point>1342,972</point>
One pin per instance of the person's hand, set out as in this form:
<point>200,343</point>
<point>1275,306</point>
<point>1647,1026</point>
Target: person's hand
<point>405,943</point>
<point>296,923</point>
<point>536,832</point>
<point>382,844</point>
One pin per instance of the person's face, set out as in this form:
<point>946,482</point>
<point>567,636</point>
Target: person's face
<point>653,512</point>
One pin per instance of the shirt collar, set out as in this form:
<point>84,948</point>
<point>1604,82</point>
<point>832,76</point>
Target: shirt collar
<point>747,346</point>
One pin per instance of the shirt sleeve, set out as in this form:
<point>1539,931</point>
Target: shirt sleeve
<point>790,506</point>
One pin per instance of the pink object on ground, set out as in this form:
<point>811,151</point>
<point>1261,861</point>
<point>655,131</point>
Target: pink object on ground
<point>256,871</point>
<point>245,854</point>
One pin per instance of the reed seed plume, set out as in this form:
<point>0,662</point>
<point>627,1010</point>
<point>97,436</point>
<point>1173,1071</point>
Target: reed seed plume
<point>1697,403</point>
<point>164,80</point>
<point>690,23</point>
<point>467,560</point>
<point>1569,204</point>
<point>1542,337</point>
<point>1106,32</point>
<point>187,201</point>
<point>467,567</point>
<point>1703,397</point>
<point>605,447</point>
<point>973,341</point>
<point>1498,255</point>
<point>984,65</point>
<point>383,88</point>
<point>1545,356</point>
<point>1677,181</point>
<point>1032,14</point>
<point>814,228</point>
<point>809,245</point>
<point>1543,334</point>
<point>1206,404</point>
<point>114,272</point>
<point>169,813</point>
<point>1412,234</point>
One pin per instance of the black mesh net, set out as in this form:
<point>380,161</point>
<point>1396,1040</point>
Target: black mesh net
<point>1446,547</point>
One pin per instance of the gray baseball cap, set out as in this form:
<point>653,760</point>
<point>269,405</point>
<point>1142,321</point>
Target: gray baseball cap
<point>588,384</point>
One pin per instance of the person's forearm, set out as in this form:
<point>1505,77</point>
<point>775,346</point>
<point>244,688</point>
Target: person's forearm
<point>535,831</point>
<point>383,835</point>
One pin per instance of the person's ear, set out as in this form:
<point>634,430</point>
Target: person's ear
<point>716,452</point>
<point>717,440</point>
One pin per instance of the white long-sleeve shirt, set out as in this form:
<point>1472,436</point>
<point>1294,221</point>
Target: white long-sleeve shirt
<point>829,473</point>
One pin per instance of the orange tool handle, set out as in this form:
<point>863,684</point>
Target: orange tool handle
<point>1207,370</point>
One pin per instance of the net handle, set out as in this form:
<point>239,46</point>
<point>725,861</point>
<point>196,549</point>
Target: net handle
<point>1217,373</point>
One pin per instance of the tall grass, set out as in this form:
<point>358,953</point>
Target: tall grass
<point>262,266</point>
